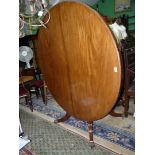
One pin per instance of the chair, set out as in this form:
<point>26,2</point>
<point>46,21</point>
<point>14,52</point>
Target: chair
<point>24,93</point>
<point>128,53</point>
<point>129,23</point>
<point>37,84</point>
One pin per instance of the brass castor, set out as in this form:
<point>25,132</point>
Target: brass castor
<point>91,144</point>
<point>55,121</point>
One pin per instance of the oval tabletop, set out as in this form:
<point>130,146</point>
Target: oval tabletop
<point>80,61</point>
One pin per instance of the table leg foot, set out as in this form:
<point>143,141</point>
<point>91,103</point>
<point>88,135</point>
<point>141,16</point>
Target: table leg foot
<point>64,118</point>
<point>91,144</point>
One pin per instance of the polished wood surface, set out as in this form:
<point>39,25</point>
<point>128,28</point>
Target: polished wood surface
<point>80,61</point>
<point>25,79</point>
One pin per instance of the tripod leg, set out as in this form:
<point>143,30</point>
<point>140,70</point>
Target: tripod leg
<point>64,118</point>
<point>90,131</point>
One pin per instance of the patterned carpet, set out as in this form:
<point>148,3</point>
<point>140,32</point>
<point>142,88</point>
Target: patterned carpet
<point>116,134</point>
<point>51,139</point>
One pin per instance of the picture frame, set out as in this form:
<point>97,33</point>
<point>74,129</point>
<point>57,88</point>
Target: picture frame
<point>122,5</point>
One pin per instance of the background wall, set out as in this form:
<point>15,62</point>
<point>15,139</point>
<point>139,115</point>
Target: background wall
<point>107,8</point>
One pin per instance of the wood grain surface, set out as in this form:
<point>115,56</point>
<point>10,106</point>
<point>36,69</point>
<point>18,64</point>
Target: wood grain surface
<point>80,61</point>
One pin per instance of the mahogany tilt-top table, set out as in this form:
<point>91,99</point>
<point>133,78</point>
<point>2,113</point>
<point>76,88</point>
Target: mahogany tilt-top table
<point>80,62</point>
